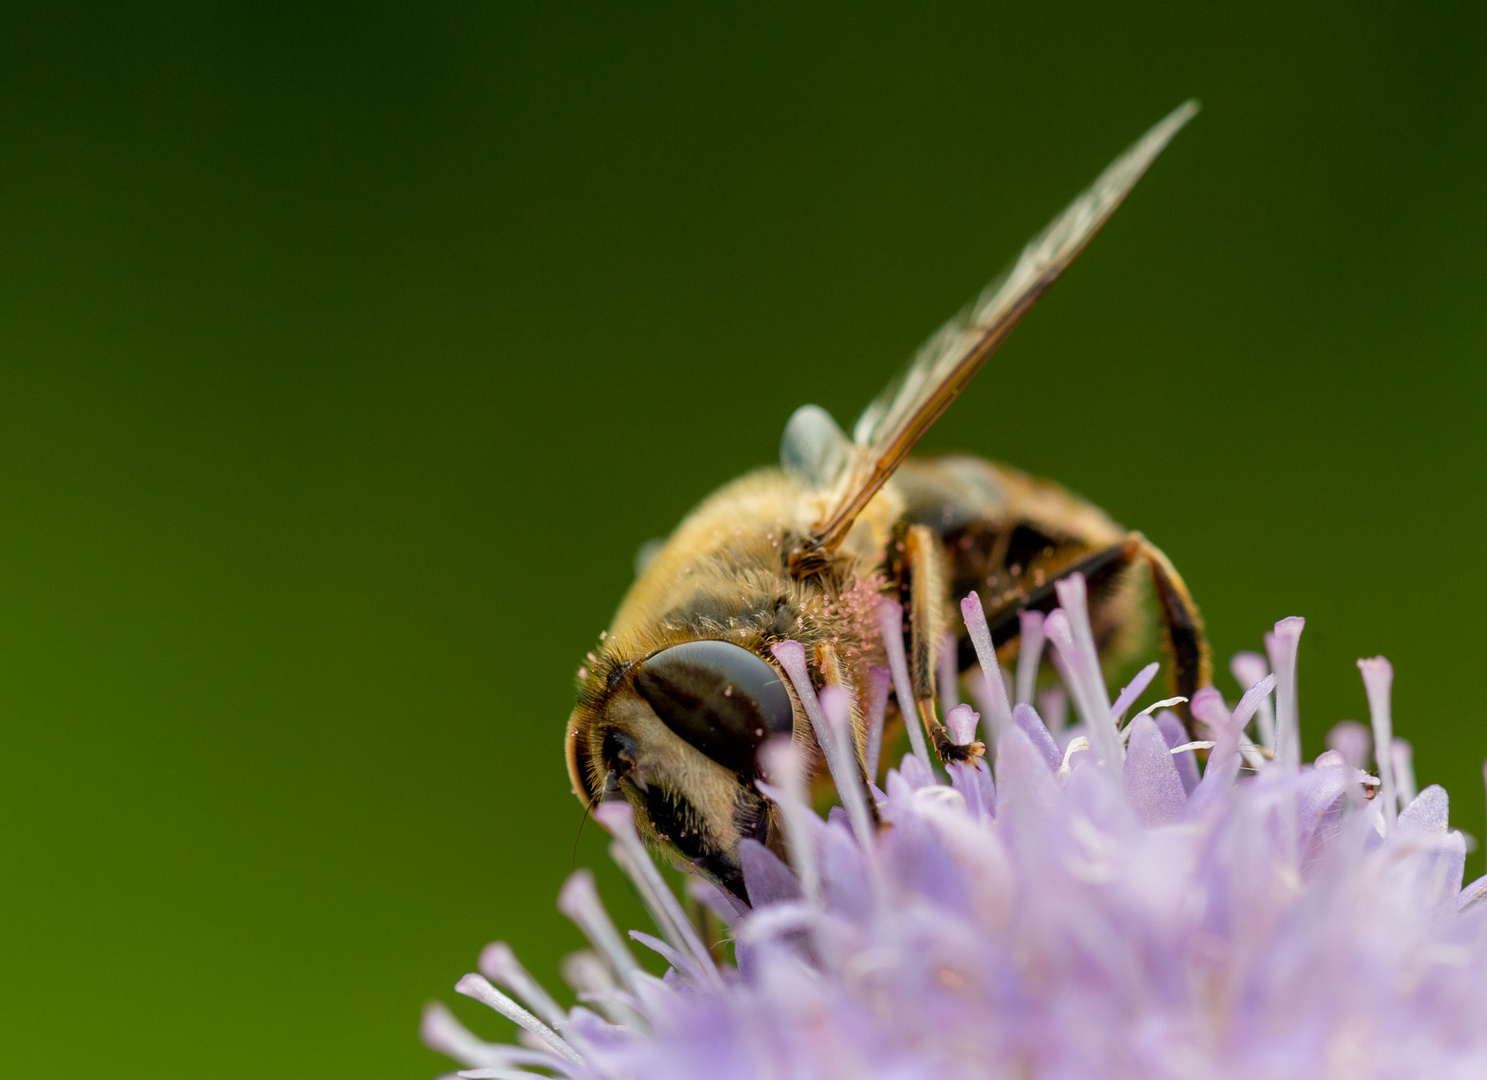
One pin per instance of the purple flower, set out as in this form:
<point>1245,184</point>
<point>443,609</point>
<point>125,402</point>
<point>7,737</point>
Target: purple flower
<point>1087,906</point>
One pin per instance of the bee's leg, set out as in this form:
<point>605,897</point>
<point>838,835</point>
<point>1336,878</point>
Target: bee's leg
<point>1183,640</point>
<point>929,601</point>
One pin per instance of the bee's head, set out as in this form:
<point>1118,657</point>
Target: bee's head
<point>677,733</point>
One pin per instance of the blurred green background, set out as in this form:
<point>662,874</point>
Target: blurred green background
<point>349,354</point>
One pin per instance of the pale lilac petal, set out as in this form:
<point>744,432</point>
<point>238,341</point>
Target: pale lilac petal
<point>441,1031</point>
<point>1152,782</point>
<point>618,819</point>
<point>1174,734</point>
<point>1249,668</point>
<point>1023,779</point>
<point>479,988</point>
<point>829,716</point>
<point>499,964</point>
<point>1321,792</point>
<point>1404,770</point>
<point>851,785</point>
<point>1069,629</point>
<point>947,671</point>
<point>1282,645</point>
<point>766,878</point>
<point>1429,811</point>
<point>891,627</point>
<point>1378,679</point>
<point>1133,690</point>
<point>878,679</point>
<point>913,773</point>
<point>786,789</point>
<point>961,722</point>
<point>1029,652</point>
<point>579,901</point>
<point>1062,921</point>
<point>1031,725</point>
<point>1470,895</point>
<point>1353,741</point>
<point>1053,707</point>
<point>998,709</point>
<point>974,782</point>
<point>727,907</point>
<point>1208,706</point>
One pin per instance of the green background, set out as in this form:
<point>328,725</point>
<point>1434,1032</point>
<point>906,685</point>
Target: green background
<point>349,354</point>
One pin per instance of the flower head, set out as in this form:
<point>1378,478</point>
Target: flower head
<point>1090,904</point>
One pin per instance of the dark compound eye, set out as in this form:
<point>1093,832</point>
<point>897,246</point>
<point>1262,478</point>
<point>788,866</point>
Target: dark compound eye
<point>719,697</point>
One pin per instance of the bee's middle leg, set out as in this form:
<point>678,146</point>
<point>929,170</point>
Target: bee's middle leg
<point>929,605</point>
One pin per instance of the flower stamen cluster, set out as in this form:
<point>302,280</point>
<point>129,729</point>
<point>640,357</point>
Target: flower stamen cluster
<point>1081,902</point>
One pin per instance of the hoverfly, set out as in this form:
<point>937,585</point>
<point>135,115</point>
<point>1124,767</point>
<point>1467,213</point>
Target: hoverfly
<point>682,689</point>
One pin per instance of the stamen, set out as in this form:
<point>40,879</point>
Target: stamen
<point>998,708</point>
<point>441,1031</point>
<point>727,907</point>
<point>1209,707</point>
<point>961,722</point>
<point>1133,690</point>
<point>618,818</point>
<point>1404,771</point>
<point>836,708</point>
<point>1053,707</point>
<point>877,705</point>
<point>1027,718</point>
<point>591,980</point>
<point>1199,744</point>
<point>499,964</point>
<point>947,662</point>
<point>1253,697</point>
<point>1281,645</point>
<point>579,901</point>
<point>1165,703</point>
<point>479,988</point>
<point>1029,652</point>
<point>833,735</point>
<point>1068,628</point>
<point>1378,680</point>
<point>1078,744</point>
<point>971,778</point>
<point>683,964</point>
<point>1249,668</point>
<point>1353,742</point>
<point>891,626</point>
<point>786,789</point>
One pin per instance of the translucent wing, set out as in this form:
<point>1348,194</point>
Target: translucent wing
<point>940,370</point>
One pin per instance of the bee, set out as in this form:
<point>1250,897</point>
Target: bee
<point>682,689</point>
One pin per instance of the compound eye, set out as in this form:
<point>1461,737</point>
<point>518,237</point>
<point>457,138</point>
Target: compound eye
<point>719,697</point>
